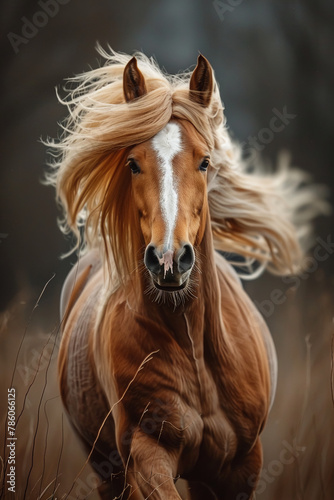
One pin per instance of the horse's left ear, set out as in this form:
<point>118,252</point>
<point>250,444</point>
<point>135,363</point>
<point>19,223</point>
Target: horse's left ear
<point>201,82</point>
<point>133,81</point>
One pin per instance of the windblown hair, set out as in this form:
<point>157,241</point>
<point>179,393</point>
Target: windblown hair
<point>263,218</point>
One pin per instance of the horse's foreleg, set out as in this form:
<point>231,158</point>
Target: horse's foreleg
<point>152,468</point>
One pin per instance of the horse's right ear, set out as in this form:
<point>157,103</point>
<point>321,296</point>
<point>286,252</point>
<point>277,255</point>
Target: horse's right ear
<point>133,81</point>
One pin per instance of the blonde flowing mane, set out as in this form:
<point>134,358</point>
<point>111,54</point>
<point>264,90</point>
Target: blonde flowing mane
<point>264,218</point>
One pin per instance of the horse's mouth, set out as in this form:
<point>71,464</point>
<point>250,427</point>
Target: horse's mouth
<point>170,287</point>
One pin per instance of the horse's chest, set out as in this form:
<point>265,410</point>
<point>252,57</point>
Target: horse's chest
<point>208,435</point>
<point>209,441</point>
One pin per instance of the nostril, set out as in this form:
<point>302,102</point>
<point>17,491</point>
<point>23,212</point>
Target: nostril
<point>186,258</point>
<point>151,259</point>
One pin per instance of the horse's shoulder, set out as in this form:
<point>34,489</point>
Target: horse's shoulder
<point>227,274</point>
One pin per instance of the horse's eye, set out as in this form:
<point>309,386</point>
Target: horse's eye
<point>135,169</point>
<point>204,165</point>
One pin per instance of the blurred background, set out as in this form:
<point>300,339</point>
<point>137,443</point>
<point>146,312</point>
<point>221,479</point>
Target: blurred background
<point>271,59</point>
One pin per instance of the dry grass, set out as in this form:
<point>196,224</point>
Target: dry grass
<point>49,458</point>
<point>303,410</point>
<point>48,455</point>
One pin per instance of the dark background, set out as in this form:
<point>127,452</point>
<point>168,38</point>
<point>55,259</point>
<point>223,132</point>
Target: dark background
<point>266,54</point>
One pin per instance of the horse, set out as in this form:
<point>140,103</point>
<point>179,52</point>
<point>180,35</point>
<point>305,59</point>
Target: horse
<point>166,368</point>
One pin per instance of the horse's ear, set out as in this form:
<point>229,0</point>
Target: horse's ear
<point>133,81</point>
<point>201,82</point>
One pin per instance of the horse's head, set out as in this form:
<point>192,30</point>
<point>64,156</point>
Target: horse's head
<point>169,184</point>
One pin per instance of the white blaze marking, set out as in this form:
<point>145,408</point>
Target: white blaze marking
<point>167,143</point>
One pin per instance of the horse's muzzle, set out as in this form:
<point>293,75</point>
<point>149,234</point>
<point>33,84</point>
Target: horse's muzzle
<point>170,273</point>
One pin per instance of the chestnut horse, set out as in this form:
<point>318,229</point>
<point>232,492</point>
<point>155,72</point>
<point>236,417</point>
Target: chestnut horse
<point>166,368</point>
